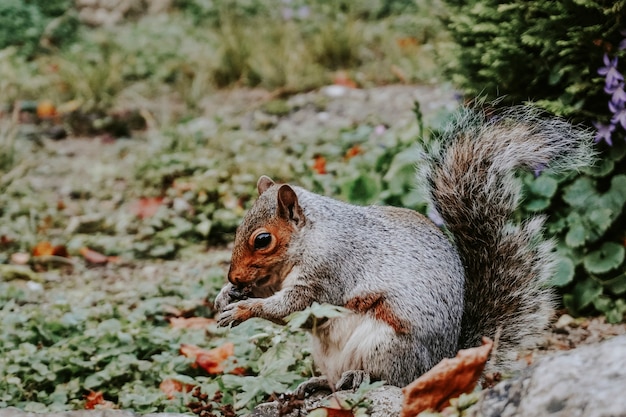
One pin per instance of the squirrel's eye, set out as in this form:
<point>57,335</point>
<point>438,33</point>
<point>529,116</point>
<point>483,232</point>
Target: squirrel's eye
<point>262,240</point>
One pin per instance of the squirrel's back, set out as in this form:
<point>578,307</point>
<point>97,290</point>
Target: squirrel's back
<point>473,188</point>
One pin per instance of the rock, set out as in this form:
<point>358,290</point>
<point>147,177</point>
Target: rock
<point>588,381</point>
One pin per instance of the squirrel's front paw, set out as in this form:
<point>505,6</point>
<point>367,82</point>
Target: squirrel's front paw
<point>236,313</point>
<point>223,298</point>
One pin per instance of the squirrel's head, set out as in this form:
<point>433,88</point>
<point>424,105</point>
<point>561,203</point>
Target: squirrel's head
<point>260,261</point>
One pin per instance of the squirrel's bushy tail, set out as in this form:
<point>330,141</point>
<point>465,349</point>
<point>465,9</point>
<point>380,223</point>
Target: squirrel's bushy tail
<point>474,189</point>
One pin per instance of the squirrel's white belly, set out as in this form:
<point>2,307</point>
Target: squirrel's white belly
<point>349,343</point>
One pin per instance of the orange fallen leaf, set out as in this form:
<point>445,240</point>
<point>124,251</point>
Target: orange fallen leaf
<point>333,412</point>
<point>343,79</point>
<point>319,164</point>
<point>171,386</point>
<point>407,42</point>
<point>95,399</point>
<point>45,248</point>
<point>448,379</point>
<point>353,151</point>
<point>94,257</point>
<point>46,109</point>
<point>194,323</point>
<point>209,360</point>
<point>146,207</point>
<point>42,249</point>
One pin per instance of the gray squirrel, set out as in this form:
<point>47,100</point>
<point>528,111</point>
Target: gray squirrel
<point>416,294</point>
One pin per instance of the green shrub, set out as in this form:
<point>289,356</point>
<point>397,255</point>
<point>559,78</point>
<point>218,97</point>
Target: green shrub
<point>33,24</point>
<point>549,53</point>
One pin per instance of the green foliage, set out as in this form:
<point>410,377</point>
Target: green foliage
<point>549,53</point>
<point>27,24</point>
<point>62,342</point>
<point>541,50</point>
<point>380,174</point>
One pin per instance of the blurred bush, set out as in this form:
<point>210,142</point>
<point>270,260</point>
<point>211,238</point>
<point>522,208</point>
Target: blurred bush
<point>550,53</point>
<point>36,25</point>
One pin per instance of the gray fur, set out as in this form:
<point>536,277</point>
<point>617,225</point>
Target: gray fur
<point>447,294</point>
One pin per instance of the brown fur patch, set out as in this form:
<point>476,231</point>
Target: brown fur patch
<point>246,310</point>
<point>376,305</point>
<point>248,266</point>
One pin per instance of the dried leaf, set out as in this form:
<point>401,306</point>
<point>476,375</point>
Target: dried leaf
<point>146,207</point>
<point>95,399</point>
<point>343,79</point>
<point>353,151</point>
<point>448,379</point>
<point>407,42</point>
<point>46,109</point>
<point>196,323</point>
<point>45,248</point>
<point>319,164</point>
<point>209,360</point>
<point>42,249</point>
<point>331,412</point>
<point>92,256</point>
<point>171,386</point>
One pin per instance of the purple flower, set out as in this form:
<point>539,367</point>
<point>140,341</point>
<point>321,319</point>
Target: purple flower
<point>622,45</point>
<point>613,76</point>
<point>539,169</point>
<point>604,132</point>
<point>618,97</point>
<point>615,107</point>
<point>619,117</point>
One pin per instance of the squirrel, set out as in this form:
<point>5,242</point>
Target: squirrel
<point>415,293</point>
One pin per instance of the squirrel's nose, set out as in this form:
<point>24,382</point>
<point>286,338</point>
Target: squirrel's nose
<point>233,278</point>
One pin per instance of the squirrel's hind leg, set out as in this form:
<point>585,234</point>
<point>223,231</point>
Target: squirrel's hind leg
<point>312,385</point>
<point>350,380</point>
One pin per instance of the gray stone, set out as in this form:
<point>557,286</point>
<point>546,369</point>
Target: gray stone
<point>588,381</point>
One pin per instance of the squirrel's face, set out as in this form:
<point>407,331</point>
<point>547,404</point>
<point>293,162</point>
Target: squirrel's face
<point>260,261</point>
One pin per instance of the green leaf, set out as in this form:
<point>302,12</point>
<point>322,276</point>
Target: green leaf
<point>537,204</point>
<point>608,257</point>
<point>362,189</point>
<point>297,319</point>
<point>564,273</point>
<point>614,310</point>
<point>576,235</point>
<point>616,285</point>
<point>544,186</point>
<point>584,293</point>
<point>580,192</point>
<point>601,219</point>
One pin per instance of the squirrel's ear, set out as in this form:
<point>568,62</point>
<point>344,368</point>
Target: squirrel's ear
<point>288,207</point>
<point>263,184</point>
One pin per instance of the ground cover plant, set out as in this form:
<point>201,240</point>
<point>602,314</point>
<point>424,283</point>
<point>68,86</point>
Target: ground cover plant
<point>567,58</point>
<point>111,249</point>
